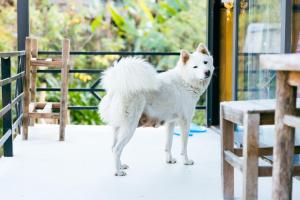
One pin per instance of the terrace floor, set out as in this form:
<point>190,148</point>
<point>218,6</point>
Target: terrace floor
<point>81,168</point>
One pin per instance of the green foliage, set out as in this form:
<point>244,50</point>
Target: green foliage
<point>128,25</point>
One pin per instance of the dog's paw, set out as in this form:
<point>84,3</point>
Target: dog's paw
<point>171,161</point>
<point>120,173</point>
<point>124,166</point>
<point>188,162</point>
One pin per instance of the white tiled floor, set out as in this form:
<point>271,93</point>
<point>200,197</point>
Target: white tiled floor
<point>81,168</point>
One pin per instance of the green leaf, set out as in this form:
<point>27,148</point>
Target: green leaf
<point>116,17</point>
<point>96,23</point>
<point>146,10</point>
<point>171,11</point>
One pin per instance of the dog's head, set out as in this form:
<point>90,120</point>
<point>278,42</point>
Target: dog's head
<point>196,67</point>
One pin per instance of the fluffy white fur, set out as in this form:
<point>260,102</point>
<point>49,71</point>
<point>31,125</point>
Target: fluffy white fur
<point>137,95</point>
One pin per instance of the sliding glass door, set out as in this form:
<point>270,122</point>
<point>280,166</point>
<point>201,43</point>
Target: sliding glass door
<point>258,31</point>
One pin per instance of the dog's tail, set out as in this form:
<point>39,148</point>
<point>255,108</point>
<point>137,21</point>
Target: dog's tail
<point>130,76</point>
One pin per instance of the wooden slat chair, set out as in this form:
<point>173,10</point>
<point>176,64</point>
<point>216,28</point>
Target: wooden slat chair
<point>250,114</point>
<point>35,110</point>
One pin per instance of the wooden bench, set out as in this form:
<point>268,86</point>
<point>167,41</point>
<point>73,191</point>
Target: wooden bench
<point>251,114</point>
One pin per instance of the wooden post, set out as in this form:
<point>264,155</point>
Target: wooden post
<point>34,54</point>
<point>26,89</point>
<point>284,140</point>
<point>250,156</point>
<point>64,88</point>
<point>227,141</point>
<point>33,70</point>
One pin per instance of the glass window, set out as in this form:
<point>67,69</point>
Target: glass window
<point>258,33</point>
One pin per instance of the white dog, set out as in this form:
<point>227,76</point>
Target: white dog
<point>138,96</point>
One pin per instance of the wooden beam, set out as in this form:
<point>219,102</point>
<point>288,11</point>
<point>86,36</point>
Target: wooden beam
<point>280,62</point>
<point>292,121</point>
<point>227,146</point>
<point>294,79</point>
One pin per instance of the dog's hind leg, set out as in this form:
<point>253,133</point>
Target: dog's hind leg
<point>169,131</point>
<point>115,137</point>
<point>125,134</point>
<point>184,126</point>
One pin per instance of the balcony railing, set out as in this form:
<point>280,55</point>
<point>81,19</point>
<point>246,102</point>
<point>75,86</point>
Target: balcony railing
<point>10,125</point>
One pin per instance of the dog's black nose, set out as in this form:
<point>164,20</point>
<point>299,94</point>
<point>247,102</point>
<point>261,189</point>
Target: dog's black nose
<point>207,74</point>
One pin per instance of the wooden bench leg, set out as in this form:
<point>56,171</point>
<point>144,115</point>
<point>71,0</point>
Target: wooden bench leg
<point>26,90</point>
<point>227,142</point>
<point>284,139</point>
<point>64,89</point>
<point>250,156</point>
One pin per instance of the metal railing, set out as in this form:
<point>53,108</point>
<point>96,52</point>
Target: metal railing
<point>9,125</point>
<point>94,88</point>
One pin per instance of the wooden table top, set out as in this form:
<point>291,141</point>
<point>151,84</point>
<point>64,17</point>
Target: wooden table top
<point>254,106</point>
<point>280,62</point>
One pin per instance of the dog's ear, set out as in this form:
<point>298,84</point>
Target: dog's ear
<point>203,49</point>
<point>184,56</point>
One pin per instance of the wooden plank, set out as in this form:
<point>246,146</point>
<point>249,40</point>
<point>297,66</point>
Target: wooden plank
<point>250,156</point>
<point>227,144</point>
<point>294,79</point>
<point>284,139</point>
<point>263,151</point>
<point>64,88</point>
<point>233,160</point>
<point>292,121</point>
<point>46,62</point>
<point>282,62</point>
<point>26,89</point>
<point>35,115</point>
<point>41,105</point>
<point>265,171</point>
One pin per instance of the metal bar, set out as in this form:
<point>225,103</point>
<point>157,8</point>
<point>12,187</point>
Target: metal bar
<point>11,79</point>
<point>96,107</point>
<point>6,100</point>
<point>123,53</point>
<point>83,107</point>
<point>19,89</point>
<point>71,89</point>
<point>17,123</point>
<point>213,37</point>
<point>17,99</point>
<point>57,71</point>
<point>296,8</point>
<point>5,137</point>
<point>286,26</point>
<point>11,54</point>
<point>72,71</point>
<point>9,106</point>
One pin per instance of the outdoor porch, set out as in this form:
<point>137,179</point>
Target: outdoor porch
<point>81,167</point>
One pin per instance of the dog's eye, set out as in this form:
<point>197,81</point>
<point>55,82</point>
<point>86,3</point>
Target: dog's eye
<point>195,67</point>
<point>205,62</point>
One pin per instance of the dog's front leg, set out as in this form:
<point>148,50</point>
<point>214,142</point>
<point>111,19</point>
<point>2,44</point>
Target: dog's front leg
<point>169,131</point>
<point>185,127</point>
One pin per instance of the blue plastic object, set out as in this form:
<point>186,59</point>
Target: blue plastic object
<point>193,130</point>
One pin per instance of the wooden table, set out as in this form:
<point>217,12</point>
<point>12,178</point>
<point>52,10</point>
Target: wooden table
<point>287,67</point>
<point>251,114</point>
